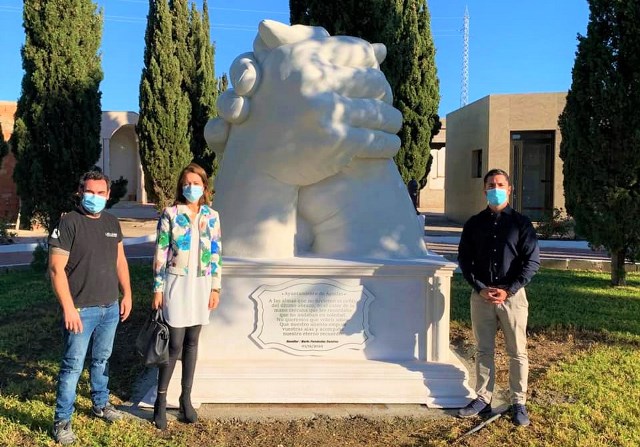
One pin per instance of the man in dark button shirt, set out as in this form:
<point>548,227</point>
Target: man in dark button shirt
<point>498,255</point>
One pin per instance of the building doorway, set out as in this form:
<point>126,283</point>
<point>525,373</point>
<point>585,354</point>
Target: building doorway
<point>532,172</point>
<point>123,160</point>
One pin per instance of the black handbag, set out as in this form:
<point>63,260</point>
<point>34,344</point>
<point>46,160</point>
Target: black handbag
<point>153,340</point>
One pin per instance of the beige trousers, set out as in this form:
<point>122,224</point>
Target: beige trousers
<point>512,316</point>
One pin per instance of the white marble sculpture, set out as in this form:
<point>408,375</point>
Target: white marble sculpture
<point>312,207</point>
<point>307,135</point>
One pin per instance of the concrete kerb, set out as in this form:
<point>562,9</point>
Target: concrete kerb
<point>29,247</point>
<point>552,243</point>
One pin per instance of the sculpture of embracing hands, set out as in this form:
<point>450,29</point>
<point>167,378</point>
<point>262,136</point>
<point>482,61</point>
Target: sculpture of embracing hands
<point>307,136</point>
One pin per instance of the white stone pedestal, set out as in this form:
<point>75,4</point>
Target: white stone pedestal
<point>317,330</point>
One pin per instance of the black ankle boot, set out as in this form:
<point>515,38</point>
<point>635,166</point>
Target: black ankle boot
<point>160,411</point>
<point>187,413</point>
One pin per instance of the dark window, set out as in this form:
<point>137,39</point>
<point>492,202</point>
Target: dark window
<point>476,163</point>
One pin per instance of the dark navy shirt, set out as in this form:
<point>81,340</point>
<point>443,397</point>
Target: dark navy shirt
<point>498,250</point>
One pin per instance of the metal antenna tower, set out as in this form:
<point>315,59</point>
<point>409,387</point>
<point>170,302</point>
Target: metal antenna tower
<point>464,93</point>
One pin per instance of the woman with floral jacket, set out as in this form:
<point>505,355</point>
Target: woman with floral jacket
<point>187,278</point>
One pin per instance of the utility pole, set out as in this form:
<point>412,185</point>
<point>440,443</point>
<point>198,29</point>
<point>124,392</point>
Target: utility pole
<point>464,94</point>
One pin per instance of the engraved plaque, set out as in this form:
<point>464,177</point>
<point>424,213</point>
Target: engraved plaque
<point>312,316</point>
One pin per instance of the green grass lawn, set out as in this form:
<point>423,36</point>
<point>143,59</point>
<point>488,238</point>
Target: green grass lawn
<point>591,397</point>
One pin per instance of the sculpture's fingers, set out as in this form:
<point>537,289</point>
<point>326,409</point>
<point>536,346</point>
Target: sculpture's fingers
<point>232,107</point>
<point>244,74</point>
<point>358,83</point>
<point>216,133</point>
<point>369,143</point>
<point>260,49</point>
<point>380,51</point>
<point>372,114</point>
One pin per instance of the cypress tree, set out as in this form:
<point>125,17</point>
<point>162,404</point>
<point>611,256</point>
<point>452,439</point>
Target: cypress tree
<point>417,89</point>
<point>600,137</point>
<point>203,86</point>
<point>163,126</point>
<point>56,134</point>
<point>181,29</point>
<point>404,27</point>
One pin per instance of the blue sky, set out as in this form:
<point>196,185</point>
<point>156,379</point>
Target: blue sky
<point>516,46</point>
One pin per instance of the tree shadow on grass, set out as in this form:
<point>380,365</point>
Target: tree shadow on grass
<point>27,382</point>
<point>32,421</point>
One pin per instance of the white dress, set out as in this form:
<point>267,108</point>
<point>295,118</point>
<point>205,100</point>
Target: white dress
<point>186,297</point>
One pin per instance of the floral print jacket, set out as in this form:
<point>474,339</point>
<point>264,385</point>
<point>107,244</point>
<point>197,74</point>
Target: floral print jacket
<point>173,242</point>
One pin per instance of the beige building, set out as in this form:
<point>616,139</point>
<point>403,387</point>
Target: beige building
<point>120,156</point>
<point>518,133</point>
<point>432,195</point>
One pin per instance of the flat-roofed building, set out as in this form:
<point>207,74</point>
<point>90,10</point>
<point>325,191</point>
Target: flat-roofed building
<point>432,195</point>
<point>518,133</point>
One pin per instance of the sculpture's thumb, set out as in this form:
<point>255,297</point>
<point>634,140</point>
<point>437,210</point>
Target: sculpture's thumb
<point>275,34</point>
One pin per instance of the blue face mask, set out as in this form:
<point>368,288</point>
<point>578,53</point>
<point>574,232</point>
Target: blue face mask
<point>192,192</point>
<point>93,203</point>
<point>496,197</point>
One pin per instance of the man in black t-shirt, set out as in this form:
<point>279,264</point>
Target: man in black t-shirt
<point>88,270</point>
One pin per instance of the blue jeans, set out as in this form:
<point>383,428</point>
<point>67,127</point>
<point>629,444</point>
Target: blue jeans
<point>99,325</point>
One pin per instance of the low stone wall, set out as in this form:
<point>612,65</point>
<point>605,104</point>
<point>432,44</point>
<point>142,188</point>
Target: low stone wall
<point>595,265</point>
<point>585,264</point>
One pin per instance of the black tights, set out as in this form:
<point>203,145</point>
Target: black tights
<point>182,340</point>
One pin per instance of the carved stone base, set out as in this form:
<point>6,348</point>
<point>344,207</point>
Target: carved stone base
<point>438,385</point>
<point>312,330</point>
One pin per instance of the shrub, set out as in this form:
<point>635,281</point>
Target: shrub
<point>40,259</point>
<point>118,191</point>
<point>6,235</point>
<point>555,224</point>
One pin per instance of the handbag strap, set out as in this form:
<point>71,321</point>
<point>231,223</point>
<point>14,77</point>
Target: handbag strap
<point>157,315</point>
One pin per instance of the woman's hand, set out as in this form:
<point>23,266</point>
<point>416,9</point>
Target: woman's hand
<point>157,300</point>
<point>214,299</point>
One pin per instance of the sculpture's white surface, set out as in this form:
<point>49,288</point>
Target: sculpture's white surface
<point>308,134</point>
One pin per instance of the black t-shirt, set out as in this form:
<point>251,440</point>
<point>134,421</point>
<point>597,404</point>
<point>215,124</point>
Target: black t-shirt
<point>93,252</point>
